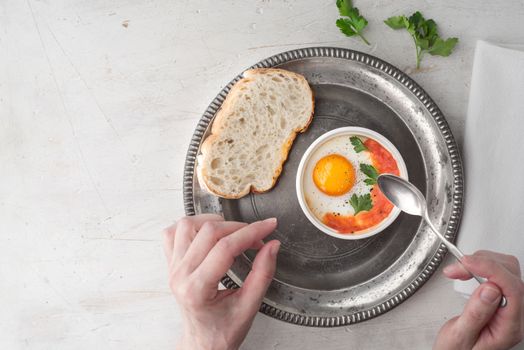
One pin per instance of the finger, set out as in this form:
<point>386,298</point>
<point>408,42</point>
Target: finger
<point>510,285</point>
<point>200,219</point>
<point>221,257</point>
<point>257,245</point>
<point>485,267</point>
<point>186,229</point>
<point>457,271</point>
<point>210,233</point>
<point>478,311</point>
<point>260,277</point>
<point>509,261</point>
<point>221,294</point>
<point>169,239</point>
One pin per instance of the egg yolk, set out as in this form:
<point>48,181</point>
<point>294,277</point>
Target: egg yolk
<point>334,175</point>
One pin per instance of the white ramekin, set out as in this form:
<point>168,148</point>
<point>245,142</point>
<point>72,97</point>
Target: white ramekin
<point>350,130</point>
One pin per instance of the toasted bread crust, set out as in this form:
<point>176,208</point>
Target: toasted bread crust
<point>218,125</point>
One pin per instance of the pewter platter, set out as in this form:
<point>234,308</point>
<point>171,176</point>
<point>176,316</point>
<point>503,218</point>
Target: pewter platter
<point>323,281</point>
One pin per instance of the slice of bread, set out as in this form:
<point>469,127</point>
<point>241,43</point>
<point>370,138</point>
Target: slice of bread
<point>253,132</point>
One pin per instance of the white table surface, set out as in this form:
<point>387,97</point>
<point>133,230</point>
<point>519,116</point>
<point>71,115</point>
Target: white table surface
<point>98,101</point>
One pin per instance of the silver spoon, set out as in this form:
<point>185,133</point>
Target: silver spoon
<point>405,196</point>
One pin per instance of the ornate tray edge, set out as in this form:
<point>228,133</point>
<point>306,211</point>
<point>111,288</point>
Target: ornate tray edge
<point>456,163</point>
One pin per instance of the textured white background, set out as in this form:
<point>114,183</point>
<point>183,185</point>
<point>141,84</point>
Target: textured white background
<point>95,119</point>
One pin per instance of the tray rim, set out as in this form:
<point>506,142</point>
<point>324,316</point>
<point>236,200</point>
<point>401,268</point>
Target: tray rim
<point>451,146</point>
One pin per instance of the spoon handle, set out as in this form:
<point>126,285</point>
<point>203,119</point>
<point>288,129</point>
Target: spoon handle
<point>458,254</point>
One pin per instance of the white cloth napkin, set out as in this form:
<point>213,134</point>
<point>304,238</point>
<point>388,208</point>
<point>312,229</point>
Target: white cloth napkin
<point>494,156</point>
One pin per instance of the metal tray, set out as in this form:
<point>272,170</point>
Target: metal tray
<point>324,281</point>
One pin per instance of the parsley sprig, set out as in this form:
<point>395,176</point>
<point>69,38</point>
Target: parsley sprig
<point>425,35</point>
<point>357,143</point>
<point>361,203</point>
<point>370,172</point>
<point>352,23</point>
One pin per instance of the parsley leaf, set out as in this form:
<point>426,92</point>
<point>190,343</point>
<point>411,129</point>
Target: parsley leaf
<point>354,23</point>
<point>370,172</point>
<point>357,143</point>
<point>370,182</point>
<point>443,47</point>
<point>361,203</point>
<point>397,22</point>
<point>425,35</point>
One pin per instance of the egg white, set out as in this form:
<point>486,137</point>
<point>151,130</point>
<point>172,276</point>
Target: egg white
<point>321,203</point>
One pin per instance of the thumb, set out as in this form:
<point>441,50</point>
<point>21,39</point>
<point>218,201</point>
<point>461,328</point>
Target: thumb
<point>260,277</point>
<point>478,311</point>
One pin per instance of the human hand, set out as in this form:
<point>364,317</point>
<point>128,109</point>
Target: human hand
<point>483,324</point>
<point>199,250</point>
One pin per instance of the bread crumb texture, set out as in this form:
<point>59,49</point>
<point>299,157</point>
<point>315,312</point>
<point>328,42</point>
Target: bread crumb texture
<point>253,132</point>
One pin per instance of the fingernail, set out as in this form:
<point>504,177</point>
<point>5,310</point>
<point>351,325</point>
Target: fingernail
<point>447,269</point>
<point>271,220</point>
<point>489,294</point>
<point>275,248</point>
